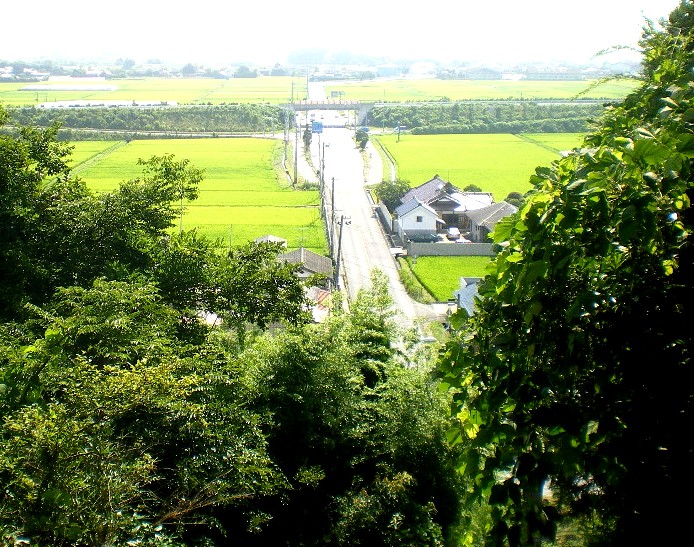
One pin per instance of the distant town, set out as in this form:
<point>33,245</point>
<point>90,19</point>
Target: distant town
<point>316,67</point>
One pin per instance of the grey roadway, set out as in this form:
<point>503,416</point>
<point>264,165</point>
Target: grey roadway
<point>364,246</point>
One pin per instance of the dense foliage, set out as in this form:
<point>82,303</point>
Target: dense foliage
<point>458,117</point>
<point>138,121</point>
<point>573,382</point>
<point>390,191</point>
<point>488,117</point>
<point>144,400</point>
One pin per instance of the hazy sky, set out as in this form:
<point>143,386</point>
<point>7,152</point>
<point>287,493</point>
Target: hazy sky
<point>265,31</point>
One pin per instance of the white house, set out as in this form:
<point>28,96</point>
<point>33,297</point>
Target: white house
<point>416,219</point>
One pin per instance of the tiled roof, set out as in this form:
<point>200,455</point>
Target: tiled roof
<point>490,215</point>
<point>312,261</point>
<point>411,205</point>
<point>467,293</point>
<point>430,190</point>
<point>469,201</point>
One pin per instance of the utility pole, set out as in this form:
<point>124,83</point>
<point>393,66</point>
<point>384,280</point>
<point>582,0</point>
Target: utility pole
<point>322,165</point>
<point>321,181</point>
<point>296,137</point>
<point>296,151</point>
<point>343,220</point>
<point>332,219</point>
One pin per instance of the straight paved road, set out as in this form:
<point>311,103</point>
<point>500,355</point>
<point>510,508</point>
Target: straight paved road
<point>364,246</point>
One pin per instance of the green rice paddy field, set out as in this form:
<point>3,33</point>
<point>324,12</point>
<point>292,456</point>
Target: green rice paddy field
<point>440,274</point>
<point>244,196</point>
<point>431,89</point>
<point>241,198</point>
<point>275,90</point>
<point>281,90</point>
<point>497,163</point>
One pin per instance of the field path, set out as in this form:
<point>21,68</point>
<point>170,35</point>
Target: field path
<point>97,157</point>
<point>537,143</point>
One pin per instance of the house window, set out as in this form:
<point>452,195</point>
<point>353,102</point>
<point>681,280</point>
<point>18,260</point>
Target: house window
<point>420,219</point>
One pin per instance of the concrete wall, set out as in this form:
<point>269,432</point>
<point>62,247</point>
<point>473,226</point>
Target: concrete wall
<point>384,217</point>
<point>449,249</point>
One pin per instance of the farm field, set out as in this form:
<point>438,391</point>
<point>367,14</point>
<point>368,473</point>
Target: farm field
<point>85,151</point>
<point>431,89</point>
<point>241,198</point>
<point>281,89</point>
<point>497,163</point>
<point>275,90</point>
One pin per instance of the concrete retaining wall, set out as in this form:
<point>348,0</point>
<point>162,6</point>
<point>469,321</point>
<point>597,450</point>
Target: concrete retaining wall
<point>449,249</point>
<point>384,217</point>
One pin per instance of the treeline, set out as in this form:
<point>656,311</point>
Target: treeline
<point>489,117</point>
<point>233,118</point>
<point>92,123</point>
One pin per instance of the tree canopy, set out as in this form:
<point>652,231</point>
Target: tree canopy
<point>573,381</point>
<point>128,417</point>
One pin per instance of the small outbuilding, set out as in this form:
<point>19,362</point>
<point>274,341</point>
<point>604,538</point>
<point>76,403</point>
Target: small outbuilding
<point>272,239</point>
<point>482,221</point>
<point>311,263</point>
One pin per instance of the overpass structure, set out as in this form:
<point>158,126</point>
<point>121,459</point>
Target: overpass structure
<point>361,108</point>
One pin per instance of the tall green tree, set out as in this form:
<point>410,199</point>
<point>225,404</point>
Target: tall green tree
<point>175,179</point>
<point>27,160</point>
<point>114,430</point>
<point>251,288</point>
<point>55,232</point>
<point>575,373</point>
<point>390,192</point>
<point>359,437</point>
<point>362,138</point>
<point>307,137</point>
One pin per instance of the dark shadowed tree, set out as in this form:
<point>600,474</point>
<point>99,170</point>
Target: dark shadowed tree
<point>575,372</point>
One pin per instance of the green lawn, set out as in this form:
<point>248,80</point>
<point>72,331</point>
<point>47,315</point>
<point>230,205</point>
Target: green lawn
<point>243,195</point>
<point>440,274</point>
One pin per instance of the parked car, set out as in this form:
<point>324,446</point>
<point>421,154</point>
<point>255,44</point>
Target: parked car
<point>453,233</point>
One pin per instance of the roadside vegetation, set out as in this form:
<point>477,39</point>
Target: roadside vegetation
<point>487,117</point>
<point>127,122</point>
